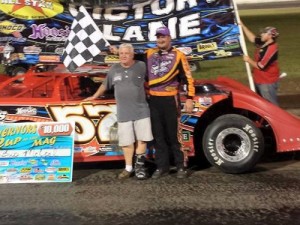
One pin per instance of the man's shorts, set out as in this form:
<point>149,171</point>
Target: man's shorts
<point>132,131</point>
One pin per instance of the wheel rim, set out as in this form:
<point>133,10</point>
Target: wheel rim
<point>233,144</point>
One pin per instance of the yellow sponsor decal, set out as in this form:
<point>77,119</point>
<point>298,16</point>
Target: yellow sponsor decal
<point>25,170</point>
<point>111,58</point>
<point>8,27</point>
<point>203,47</point>
<point>40,177</point>
<point>63,170</point>
<point>31,9</point>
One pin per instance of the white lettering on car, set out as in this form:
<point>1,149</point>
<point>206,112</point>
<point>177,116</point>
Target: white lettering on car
<point>91,121</point>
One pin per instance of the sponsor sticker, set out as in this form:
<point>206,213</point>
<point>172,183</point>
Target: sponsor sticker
<point>203,47</point>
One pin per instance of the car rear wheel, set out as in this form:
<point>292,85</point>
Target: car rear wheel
<point>233,143</point>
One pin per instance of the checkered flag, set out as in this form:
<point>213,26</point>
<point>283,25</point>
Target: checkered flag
<point>85,41</point>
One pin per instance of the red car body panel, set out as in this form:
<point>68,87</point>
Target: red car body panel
<point>54,95</point>
<point>286,126</point>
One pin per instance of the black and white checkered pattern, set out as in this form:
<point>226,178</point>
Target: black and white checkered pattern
<point>85,41</point>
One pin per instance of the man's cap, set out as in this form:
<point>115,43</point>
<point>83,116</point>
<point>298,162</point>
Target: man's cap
<point>271,30</point>
<point>163,31</point>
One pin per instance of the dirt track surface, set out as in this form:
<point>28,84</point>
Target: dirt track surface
<point>268,195</point>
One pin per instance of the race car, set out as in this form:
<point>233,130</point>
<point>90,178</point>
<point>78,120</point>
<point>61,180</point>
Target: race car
<point>230,126</point>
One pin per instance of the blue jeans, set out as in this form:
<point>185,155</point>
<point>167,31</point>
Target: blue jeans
<point>268,91</point>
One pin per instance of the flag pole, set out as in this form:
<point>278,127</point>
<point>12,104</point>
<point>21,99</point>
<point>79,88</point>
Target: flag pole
<point>243,46</point>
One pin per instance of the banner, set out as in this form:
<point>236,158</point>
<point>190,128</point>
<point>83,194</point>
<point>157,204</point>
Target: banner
<point>36,152</point>
<point>33,31</point>
<point>202,29</point>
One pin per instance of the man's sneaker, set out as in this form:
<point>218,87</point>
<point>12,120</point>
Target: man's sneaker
<point>124,175</point>
<point>181,173</point>
<point>141,173</point>
<point>159,173</point>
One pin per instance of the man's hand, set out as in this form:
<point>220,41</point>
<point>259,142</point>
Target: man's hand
<point>246,58</point>
<point>250,61</point>
<point>91,98</point>
<point>98,93</point>
<point>189,106</point>
<point>113,49</point>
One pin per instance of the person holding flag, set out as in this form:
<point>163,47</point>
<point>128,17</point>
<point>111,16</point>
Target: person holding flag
<point>266,70</point>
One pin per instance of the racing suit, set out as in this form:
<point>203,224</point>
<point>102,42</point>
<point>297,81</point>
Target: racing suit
<point>167,70</point>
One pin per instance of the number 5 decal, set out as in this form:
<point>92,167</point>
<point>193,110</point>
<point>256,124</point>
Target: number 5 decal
<point>90,120</point>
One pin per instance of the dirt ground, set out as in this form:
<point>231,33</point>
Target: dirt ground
<point>269,195</point>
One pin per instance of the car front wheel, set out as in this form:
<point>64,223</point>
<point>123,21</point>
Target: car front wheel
<point>233,143</point>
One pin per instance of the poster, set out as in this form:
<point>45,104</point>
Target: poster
<point>36,152</point>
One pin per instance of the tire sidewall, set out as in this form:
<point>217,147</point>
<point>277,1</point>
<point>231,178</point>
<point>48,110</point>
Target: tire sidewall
<point>245,126</point>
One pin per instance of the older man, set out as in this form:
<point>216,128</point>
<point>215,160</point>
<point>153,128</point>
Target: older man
<point>134,126</point>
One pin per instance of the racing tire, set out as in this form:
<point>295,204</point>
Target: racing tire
<point>233,144</point>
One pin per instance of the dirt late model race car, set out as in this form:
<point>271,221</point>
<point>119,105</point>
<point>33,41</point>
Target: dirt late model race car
<point>230,126</point>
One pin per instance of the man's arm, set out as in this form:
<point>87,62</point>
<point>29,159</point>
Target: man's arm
<point>268,58</point>
<point>249,34</point>
<point>186,77</point>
